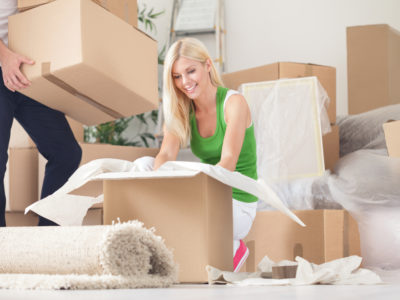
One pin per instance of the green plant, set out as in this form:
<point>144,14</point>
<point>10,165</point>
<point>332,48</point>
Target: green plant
<point>147,17</point>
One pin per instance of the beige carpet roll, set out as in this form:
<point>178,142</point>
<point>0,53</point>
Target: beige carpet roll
<point>123,255</point>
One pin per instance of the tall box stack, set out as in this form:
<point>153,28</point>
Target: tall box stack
<point>272,233</point>
<point>373,67</point>
<point>90,64</point>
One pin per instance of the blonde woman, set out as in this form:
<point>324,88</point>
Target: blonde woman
<point>216,121</point>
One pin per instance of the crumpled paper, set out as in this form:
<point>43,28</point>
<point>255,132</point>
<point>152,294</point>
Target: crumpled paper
<point>65,209</point>
<point>339,271</point>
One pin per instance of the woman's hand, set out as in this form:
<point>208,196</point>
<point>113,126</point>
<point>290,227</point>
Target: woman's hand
<point>11,67</point>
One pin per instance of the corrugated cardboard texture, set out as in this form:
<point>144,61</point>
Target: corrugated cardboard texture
<point>373,67</point>
<point>331,145</point>
<point>392,136</point>
<point>21,178</point>
<point>192,214</point>
<point>93,217</point>
<point>326,75</point>
<point>96,151</point>
<point>328,235</point>
<point>124,9</point>
<point>76,71</point>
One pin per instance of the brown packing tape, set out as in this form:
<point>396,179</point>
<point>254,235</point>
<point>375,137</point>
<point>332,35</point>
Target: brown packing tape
<point>308,71</point>
<point>46,73</point>
<point>346,237</point>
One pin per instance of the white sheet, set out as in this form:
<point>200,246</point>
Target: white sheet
<point>66,209</point>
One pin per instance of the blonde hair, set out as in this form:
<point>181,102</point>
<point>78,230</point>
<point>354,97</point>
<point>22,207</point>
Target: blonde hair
<point>176,105</point>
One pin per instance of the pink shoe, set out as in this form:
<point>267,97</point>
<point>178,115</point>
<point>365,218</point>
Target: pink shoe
<point>240,256</point>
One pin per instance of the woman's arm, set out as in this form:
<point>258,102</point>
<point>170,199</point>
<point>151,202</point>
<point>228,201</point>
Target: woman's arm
<point>238,118</point>
<point>169,149</point>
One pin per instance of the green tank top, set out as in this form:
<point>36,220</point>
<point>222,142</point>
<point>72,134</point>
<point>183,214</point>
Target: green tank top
<point>209,149</point>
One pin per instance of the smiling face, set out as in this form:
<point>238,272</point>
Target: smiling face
<point>191,77</point>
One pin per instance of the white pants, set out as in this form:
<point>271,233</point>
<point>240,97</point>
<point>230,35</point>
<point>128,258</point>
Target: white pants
<point>243,213</point>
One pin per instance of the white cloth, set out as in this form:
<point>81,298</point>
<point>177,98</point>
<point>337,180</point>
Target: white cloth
<point>113,169</point>
<point>7,8</point>
<point>339,271</point>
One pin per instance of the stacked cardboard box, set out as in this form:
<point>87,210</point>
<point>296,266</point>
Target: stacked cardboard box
<point>328,235</point>
<point>90,64</point>
<point>22,171</point>
<point>325,74</point>
<point>275,235</point>
<point>373,67</point>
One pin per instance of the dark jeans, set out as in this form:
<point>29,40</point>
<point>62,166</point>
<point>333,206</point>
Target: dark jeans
<point>51,133</point>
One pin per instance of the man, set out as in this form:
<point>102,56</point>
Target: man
<point>48,128</point>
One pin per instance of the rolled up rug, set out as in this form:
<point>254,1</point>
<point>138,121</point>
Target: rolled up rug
<point>123,255</point>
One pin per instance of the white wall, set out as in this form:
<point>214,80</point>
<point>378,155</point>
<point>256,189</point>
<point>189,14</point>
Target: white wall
<point>309,31</point>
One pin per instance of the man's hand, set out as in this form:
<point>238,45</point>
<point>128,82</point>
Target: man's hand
<point>12,75</point>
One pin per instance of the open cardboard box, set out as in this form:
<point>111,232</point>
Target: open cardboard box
<point>95,151</point>
<point>193,214</point>
<point>89,64</point>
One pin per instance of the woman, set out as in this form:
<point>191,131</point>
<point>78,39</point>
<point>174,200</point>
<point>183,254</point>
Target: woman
<point>217,122</point>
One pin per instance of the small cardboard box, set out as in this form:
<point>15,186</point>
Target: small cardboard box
<point>331,145</point>
<point>328,235</point>
<point>124,9</point>
<point>392,136</point>
<point>326,76</point>
<point>192,214</point>
<point>93,217</point>
<point>89,64</point>
<point>20,180</point>
<point>96,151</point>
<point>373,67</point>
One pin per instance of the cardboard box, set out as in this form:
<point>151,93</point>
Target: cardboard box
<point>392,136</point>
<point>93,217</point>
<point>96,151</point>
<point>331,145</point>
<point>328,235</point>
<point>90,65</point>
<point>20,180</point>
<point>192,214</point>
<point>124,9</point>
<point>326,75</point>
<point>373,67</point>
<point>19,138</point>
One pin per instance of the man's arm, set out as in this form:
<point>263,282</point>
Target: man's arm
<point>10,64</point>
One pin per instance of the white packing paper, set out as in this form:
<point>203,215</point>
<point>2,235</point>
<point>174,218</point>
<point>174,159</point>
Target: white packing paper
<point>339,271</point>
<point>69,210</point>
